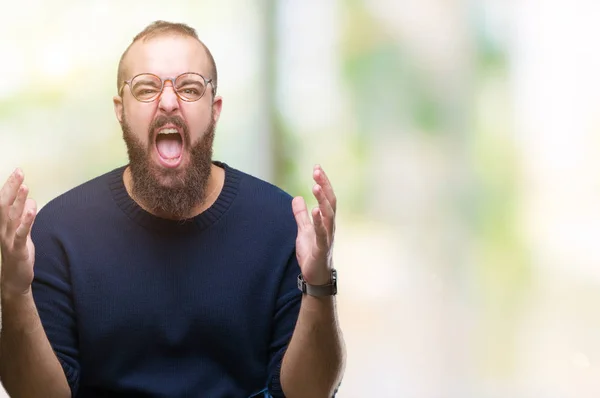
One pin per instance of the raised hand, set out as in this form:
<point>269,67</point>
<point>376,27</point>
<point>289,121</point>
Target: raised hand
<point>17,251</point>
<point>314,243</point>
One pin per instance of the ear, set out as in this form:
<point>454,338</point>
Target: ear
<point>217,105</point>
<point>118,105</point>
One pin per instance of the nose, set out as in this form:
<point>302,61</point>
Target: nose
<point>168,100</point>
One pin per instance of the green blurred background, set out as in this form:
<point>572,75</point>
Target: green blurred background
<point>460,136</point>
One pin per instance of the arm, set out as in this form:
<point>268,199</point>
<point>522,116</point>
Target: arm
<point>33,370</point>
<point>28,365</point>
<point>314,362</point>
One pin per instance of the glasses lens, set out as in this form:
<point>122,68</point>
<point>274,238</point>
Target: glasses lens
<point>190,86</point>
<point>145,87</point>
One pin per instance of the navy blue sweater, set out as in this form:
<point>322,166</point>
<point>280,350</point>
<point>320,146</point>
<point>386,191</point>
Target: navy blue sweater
<point>139,306</point>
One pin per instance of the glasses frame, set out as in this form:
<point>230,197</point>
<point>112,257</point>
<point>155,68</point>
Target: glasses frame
<point>162,87</point>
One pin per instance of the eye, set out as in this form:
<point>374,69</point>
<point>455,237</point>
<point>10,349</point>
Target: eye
<point>190,91</point>
<point>145,90</point>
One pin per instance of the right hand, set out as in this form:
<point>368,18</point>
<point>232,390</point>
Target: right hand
<point>17,251</point>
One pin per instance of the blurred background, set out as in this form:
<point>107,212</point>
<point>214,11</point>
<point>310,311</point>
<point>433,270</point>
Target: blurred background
<point>461,137</point>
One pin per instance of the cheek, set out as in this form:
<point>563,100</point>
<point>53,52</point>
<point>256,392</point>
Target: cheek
<point>139,120</point>
<point>198,121</point>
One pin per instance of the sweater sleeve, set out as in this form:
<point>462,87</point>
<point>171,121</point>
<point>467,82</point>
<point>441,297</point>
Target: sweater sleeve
<point>52,293</point>
<point>286,314</point>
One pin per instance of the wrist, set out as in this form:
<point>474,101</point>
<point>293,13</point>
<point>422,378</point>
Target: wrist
<point>328,288</point>
<point>19,313</point>
<point>9,293</point>
<point>321,277</point>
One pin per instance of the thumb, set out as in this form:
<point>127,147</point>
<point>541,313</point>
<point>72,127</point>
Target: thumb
<point>301,213</point>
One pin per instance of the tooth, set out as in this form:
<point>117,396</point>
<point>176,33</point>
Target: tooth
<point>168,131</point>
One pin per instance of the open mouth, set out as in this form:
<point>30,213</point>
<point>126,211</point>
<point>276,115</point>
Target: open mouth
<point>169,146</point>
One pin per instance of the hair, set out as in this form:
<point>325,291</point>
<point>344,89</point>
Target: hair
<point>162,28</point>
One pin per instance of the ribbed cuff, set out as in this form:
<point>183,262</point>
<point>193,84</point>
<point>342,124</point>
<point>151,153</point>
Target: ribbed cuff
<point>71,375</point>
<point>275,389</point>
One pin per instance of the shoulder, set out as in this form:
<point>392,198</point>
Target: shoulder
<point>257,187</point>
<point>259,196</point>
<point>83,199</point>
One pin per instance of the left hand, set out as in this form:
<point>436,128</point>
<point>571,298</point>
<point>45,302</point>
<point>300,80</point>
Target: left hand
<point>315,239</point>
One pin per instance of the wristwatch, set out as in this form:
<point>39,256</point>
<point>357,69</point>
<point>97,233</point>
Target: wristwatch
<point>319,290</point>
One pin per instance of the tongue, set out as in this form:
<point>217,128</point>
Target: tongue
<point>169,146</point>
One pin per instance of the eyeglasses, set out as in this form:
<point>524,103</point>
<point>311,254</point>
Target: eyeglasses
<point>147,87</point>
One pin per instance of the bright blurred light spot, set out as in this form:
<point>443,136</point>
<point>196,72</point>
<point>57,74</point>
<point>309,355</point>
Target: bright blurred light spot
<point>12,68</point>
<point>57,60</point>
<point>580,360</point>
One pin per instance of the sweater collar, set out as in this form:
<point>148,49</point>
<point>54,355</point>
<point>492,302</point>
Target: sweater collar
<point>198,223</point>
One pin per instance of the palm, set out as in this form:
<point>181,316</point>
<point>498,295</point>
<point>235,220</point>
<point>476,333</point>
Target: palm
<point>16,218</point>
<point>26,265</point>
<point>307,251</point>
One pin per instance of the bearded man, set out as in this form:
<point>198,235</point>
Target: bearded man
<point>175,275</point>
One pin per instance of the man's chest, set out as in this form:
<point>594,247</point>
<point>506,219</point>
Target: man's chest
<point>153,304</point>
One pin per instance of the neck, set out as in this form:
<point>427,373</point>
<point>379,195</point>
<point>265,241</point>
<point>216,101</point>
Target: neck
<point>216,180</point>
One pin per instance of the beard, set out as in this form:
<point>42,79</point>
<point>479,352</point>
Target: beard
<point>174,193</point>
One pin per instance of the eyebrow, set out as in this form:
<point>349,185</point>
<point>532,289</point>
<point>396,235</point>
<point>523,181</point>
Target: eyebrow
<point>150,83</point>
<point>190,81</point>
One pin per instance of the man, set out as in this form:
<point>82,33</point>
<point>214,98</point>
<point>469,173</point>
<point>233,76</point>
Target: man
<point>173,276</point>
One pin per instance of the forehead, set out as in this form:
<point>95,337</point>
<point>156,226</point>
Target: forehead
<point>166,56</point>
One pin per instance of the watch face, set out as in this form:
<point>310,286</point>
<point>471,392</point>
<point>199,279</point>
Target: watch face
<point>334,282</point>
<point>301,284</point>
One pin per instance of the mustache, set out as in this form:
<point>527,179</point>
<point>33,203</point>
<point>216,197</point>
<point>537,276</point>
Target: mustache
<point>162,121</point>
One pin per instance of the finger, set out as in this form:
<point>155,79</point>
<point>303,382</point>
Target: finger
<point>8,193</point>
<point>321,178</point>
<point>301,213</point>
<point>327,211</point>
<point>24,228</point>
<point>321,231</point>
<point>16,210</point>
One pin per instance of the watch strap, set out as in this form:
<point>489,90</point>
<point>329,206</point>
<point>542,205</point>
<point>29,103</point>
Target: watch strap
<point>319,290</point>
